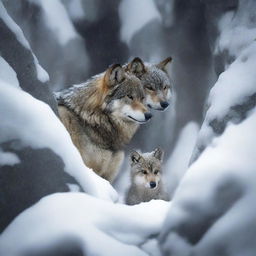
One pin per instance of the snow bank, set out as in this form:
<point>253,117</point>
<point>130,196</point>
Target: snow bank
<point>212,211</point>
<point>134,15</point>
<point>98,227</point>
<point>37,126</point>
<point>229,99</point>
<point>213,207</point>
<point>57,20</point>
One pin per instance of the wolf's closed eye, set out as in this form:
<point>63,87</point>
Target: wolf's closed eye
<point>130,97</point>
<point>150,88</point>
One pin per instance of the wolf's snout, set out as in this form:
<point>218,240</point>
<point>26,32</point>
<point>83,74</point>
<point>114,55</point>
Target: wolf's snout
<point>164,104</point>
<point>148,115</point>
<point>152,184</point>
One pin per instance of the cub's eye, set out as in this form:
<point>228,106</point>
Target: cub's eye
<point>143,98</point>
<point>150,88</point>
<point>130,97</point>
<point>156,172</point>
<point>165,87</point>
<point>144,172</point>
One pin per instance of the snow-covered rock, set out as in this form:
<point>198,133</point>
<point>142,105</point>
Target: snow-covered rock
<point>41,73</point>
<point>45,130</point>
<point>212,211</point>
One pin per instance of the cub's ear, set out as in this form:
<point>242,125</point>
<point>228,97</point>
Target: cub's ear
<point>158,153</point>
<point>137,67</point>
<point>135,157</point>
<point>163,64</point>
<point>115,74</point>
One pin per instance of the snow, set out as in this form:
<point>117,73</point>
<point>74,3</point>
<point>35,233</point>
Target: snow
<point>8,158</point>
<point>7,74</point>
<point>45,130</point>
<point>212,210</point>
<point>57,20</point>
<point>13,26</point>
<point>237,37</point>
<point>178,162</point>
<point>223,176</point>
<point>41,73</point>
<point>75,9</point>
<point>134,15</point>
<point>235,84</point>
<point>118,229</point>
<point>236,33</point>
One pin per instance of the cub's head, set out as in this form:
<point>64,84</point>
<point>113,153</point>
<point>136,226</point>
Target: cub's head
<point>155,80</point>
<point>146,168</point>
<point>125,97</point>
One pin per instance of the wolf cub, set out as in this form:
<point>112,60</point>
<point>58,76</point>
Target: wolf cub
<point>146,180</point>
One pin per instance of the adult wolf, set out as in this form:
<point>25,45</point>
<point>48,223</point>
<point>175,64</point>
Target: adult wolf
<point>155,80</point>
<point>102,116</point>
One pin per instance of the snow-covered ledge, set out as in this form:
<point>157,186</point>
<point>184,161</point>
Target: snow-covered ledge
<point>45,130</point>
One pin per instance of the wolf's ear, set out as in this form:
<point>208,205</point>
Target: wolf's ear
<point>158,153</point>
<point>135,157</point>
<point>163,64</point>
<point>115,74</point>
<point>136,66</point>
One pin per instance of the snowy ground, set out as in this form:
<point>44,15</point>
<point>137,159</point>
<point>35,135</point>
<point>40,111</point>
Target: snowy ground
<point>99,227</point>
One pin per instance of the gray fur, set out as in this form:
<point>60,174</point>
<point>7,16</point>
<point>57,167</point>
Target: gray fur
<point>155,80</point>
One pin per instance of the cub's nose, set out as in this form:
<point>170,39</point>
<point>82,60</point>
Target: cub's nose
<point>148,115</point>
<point>152,184</point>
<point>164,104</point>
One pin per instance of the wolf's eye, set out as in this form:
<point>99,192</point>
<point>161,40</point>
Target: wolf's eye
<point>156,172</point>
<point>144,172</point>
<point>150,88</point>
<point>130,97</point>
<point>165,87</point>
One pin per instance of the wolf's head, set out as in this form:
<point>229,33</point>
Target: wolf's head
<point>125,97</point>
<point>155,80</point>
<point>146,168</point>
